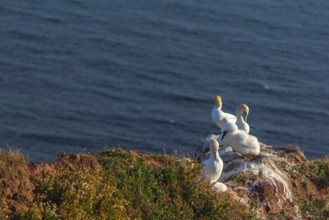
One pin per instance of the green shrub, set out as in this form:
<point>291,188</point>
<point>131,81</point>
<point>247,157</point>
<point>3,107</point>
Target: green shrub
<point>170,191</point>
<point>132,186</point>
<point>77,195</point>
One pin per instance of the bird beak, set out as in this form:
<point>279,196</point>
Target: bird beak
<point>224,134</point>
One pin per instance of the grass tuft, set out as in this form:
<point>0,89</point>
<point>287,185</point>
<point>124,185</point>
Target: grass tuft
<point>318,171</point>
<point>11,161</point>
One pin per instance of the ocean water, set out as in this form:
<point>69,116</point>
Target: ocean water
<point>79,75</point>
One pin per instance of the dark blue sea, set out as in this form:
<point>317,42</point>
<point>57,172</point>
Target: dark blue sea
<point>78,75</point>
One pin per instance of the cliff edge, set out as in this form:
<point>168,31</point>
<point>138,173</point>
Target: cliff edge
<point>280,183</point>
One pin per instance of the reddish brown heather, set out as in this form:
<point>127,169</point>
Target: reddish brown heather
<point>17,183</point>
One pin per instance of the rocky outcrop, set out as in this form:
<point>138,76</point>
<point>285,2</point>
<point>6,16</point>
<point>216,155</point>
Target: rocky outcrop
<point>271,182</point>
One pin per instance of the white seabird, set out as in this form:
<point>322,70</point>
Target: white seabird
<point>217,115</point>
<point>203,151</point>
<point>240,140</point>
<point>242,112</point>
<point>213,168</point>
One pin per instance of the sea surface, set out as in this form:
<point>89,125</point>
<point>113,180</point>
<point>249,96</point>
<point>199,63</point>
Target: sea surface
<point>78,75</point>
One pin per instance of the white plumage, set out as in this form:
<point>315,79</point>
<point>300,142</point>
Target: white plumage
<point>242,112</point>
<point>217,115</point>
<point>213,167</point>
<point>240,140</point>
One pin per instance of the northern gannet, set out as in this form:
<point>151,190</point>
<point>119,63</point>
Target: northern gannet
<point>242,112</point>
<point>213,168</point>
<point>240,140</point>
<point>202,151</point>
<point>217,115</point>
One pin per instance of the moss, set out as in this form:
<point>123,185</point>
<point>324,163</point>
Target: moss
<point>305,206</point>
<point>283,214</point>
<point>240,176</point>
<point>317,208</point>
<point>318,172</point>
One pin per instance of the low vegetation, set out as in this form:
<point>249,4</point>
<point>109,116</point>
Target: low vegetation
<point>11,162</point>
<point>318,171</point>
<point>130,186</point>
<point>119,184</point>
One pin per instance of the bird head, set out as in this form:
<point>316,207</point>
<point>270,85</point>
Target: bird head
<point>213,145</point>
<point>242,110</point>
<point>218,101</point>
